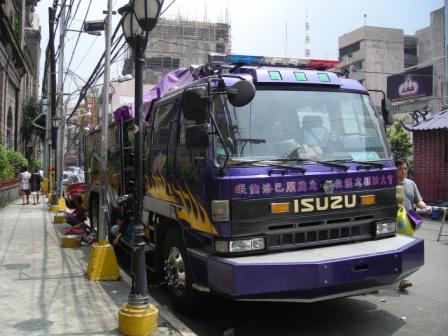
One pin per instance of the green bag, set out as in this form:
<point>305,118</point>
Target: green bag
<point>404,225</point>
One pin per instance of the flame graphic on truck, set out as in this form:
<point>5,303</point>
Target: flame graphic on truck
<point>188,208</point>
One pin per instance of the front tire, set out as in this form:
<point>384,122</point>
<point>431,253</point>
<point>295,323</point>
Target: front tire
<point>178,274</point>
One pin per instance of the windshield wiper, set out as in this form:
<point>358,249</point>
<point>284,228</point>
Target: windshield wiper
<point>273,162</point>
<point>253,141</point>
<point>325,163</point>
<point>373,164</point>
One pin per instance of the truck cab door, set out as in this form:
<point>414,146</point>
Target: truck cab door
<point>161,150</point>
<point>171,172</point>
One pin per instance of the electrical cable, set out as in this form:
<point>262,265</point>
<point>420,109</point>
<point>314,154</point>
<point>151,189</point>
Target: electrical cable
<point>97,72</point>
<point>114,58</point>
<point>76,43</point>
<point>93,75</point>
<point>74,15</point>
<point>85,55</point>
<point>47,55</point>
<point>167,7</point>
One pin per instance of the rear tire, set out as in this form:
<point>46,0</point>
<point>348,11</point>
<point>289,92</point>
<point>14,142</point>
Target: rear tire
<point>178,274</point>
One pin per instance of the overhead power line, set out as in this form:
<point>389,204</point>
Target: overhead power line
<point>77,40</point>
<point>87,53</point>
<point>69,22</point>
<point>96,70</point>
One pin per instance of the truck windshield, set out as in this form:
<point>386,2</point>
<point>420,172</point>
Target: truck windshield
<point>303,125</point>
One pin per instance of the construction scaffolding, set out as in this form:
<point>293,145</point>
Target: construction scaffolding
<point>180,42</point>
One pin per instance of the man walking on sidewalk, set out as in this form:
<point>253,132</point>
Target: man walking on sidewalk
<point>411,196</point>
<point>25,177</point>
<point>36,179</point>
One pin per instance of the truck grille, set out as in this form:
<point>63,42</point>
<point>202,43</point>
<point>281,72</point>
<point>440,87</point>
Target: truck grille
<point>319,234</point>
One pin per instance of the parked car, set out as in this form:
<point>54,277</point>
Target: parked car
<point>75,187</point>
<point>65,176</point>
<point>74,170</point>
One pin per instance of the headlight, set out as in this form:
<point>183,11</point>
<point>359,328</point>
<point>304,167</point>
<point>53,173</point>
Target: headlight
<point>240,245</point>
<point>220,210</point>
<point>385,228</point>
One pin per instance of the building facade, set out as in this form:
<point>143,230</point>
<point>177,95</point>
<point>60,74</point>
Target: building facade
<point>19,65</point>
<point>370,54</point>
<point>428,72</point>
<point>180,43</point>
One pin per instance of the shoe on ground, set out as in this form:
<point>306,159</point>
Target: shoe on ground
<point>404,284</point>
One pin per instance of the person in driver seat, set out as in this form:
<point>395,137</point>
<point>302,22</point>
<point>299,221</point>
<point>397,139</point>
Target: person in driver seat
<point>315,136</point>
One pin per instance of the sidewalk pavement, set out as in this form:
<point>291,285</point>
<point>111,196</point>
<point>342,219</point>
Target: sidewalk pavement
<point>43,287</point>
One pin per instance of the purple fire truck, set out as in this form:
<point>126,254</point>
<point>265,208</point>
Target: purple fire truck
<point>268,179</point>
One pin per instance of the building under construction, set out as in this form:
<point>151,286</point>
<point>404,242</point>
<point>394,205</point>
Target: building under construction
<point>179,43</point>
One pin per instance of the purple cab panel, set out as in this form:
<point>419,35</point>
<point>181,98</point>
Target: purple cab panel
<point>315,274</point>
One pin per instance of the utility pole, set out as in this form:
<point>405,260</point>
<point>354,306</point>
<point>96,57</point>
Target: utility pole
<point>52,87</point>
<point>103,263</point>
<point>45,101</point>
<point>60,144</point>
<point>105,129</point>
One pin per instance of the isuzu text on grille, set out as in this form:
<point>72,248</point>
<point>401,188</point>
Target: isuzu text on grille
<point>310,204</point>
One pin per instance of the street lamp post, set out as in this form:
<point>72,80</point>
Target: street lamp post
<point>138,18</point>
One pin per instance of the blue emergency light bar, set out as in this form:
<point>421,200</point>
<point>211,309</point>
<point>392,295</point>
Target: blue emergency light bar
<point>244,59</point>
<point>254,60</point>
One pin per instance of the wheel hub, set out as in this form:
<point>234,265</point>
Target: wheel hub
<point>175,271</point>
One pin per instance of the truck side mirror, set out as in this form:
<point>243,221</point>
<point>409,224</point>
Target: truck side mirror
<point>385,112</point>
<point>241,93</point>
<point>197,137</point>
<point>195,103</point>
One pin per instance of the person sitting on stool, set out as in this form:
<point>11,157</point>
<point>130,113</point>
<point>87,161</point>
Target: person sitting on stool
<point>78,216</point>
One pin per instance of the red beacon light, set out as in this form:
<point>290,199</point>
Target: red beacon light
<point>323,64</point>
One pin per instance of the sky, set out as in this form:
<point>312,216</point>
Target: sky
<point>258,27</point>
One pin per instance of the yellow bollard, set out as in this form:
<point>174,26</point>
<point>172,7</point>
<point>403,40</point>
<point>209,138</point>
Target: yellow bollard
<point>60,207</point>
<point>44,185</point>
<point>59,219</point>
<point>70,241</point>
<point>137,320</point>
<point>103,263</point>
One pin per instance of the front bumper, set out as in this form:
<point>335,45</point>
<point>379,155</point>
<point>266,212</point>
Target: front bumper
<point>316,274</point>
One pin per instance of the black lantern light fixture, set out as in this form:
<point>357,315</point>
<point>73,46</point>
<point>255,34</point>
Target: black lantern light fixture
<point>147,13</point>
<point>56,121</point>
<point>129,24</point>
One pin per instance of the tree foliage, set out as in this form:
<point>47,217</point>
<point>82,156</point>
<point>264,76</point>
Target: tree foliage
<point>30,112</point>
<point>11,162</point>
<point>399,140</point>
<point>6,170</point>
